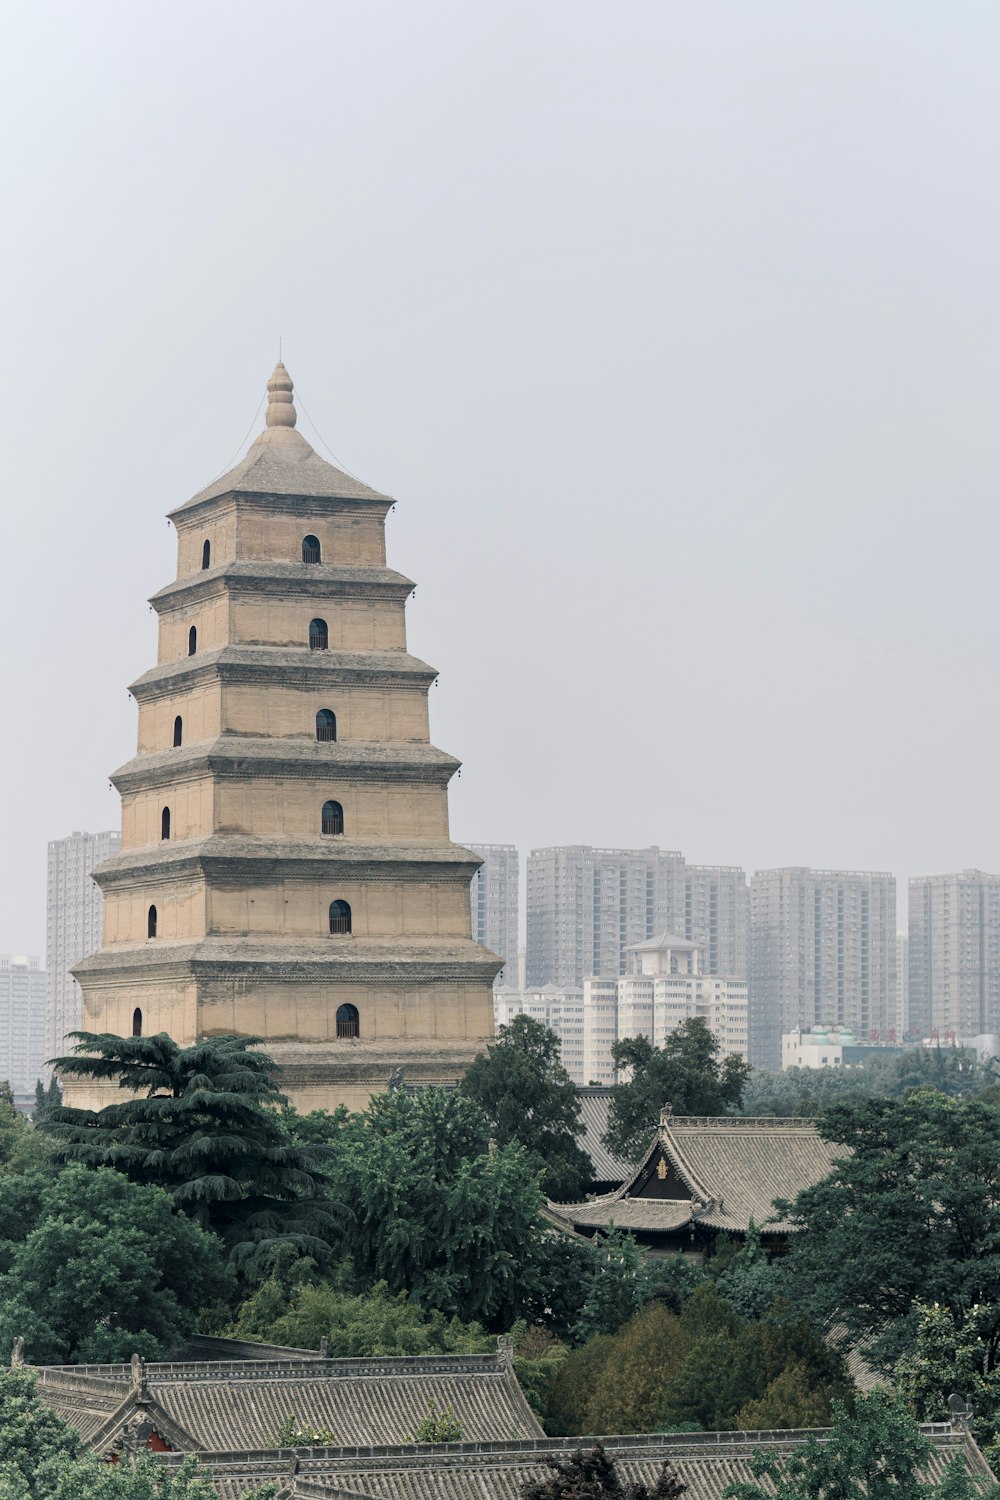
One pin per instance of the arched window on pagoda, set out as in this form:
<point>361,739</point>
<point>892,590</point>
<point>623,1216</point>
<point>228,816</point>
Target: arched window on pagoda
<point>348,1021</point>
<point>165,823</point>
<point>340,917</point>
<point>311,550</point>
<point>178,731</point>
<point>333,818</point>
<point>319,636</point>
<point>137,1022</point>
<point>206,554</point>
<point>326,725</point>
<point>151,922</point>
<point>192,640</point>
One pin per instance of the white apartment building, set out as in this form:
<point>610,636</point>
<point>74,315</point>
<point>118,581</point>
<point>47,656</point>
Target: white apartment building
<point>560,1010</point>
<point>587,906</point>
<point>22,1022</point>
<point>665,985</point>
<point>823,945</point>
<point>74,917</point>
<point>954,957</point>
<point>495,907</point>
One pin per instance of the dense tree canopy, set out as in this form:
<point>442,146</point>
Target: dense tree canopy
<point>911,1214</point>
<point>809,1091</point>
<point>527,1096</point>
<point>685,1074</point>
<point>205,1126</point>
<point>93,1267</point>
<point>876,1453</point>
<point>436,1210</point>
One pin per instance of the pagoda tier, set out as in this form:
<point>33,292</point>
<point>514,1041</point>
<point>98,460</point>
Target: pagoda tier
<point>286,868</point>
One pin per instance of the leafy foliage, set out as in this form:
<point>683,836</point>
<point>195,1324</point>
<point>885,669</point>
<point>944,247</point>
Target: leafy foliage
<point>295,1434</point>
<point>93,1267</point>
<point>947,1357</point>
<point>684,1074</point>
<point>590,1475</point>
<point>750,1282</point>
<point>527,1096</point>
<point>372,1323</point>
<point>438,1426</point>
<point>437,1211</point>
<point>809,1091</point>
<point>205,1127</point>
<point>878,1453</point>
<point>909,1215</point>
<point>619,1281</point>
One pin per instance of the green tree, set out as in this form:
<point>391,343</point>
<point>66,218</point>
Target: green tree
<point>750,1282</point>
<point>527,1096</point>
<point>591,1475</point>
<point>355,1326</point>
<point>93,1267</point>
<point>437,1210</point>
<point>438,1426</point>
<point>684,1074</point>
<point>204,1126</point>
<point>618,1283</point>
<point>875,1453</point>
<point>910,1214</point>
<point>46,1099</point>
<point>948,1357</point>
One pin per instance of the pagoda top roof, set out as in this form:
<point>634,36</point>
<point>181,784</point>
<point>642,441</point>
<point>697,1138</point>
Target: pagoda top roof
<point>281,462</point>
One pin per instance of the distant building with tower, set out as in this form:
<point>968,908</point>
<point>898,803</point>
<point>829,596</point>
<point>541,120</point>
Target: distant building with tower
<point>823,946</point>
<point>74,911</point>
<point>587,906</point>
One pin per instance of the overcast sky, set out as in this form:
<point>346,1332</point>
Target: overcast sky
<point>675,330</point>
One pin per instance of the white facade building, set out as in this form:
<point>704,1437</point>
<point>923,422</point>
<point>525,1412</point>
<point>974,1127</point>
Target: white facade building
<point>819,1047</point>
<point>22,1022</point>
<point>74,917</point>
<point>665,985</point>
<point>954,955</point>
<point>560,1010</point>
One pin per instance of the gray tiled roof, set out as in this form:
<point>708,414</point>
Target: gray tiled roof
<point>728,1170</point>
<point>705,1462</point>
<point>242,1404</point>
<point>277,468</point>
<point>594,1104</point>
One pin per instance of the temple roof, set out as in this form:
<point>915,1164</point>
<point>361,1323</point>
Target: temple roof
<point>281,462</point>
<point>716,1171</point>
<point>241,1404</point>
<point>595,1101</point>
<point>705,1462</point>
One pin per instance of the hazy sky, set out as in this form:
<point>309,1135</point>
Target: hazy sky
<point>674,328</point>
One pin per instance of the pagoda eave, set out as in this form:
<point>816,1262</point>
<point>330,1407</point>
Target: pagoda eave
<point>292,666</point>
<point>240,861</point>
<point>343,958</point>
<point>311,580</point>
<point>371,503</point>
<point>235,756</point>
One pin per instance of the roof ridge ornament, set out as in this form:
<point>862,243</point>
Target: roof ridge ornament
<point>280,406</point>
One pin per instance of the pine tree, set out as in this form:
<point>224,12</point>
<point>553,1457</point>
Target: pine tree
<point>203,1123</point>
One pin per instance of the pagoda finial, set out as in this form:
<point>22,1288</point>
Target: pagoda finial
<point>280,410</point>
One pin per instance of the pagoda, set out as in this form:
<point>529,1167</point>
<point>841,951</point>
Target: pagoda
<point>286,870</point>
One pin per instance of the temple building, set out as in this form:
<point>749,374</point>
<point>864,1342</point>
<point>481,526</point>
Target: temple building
<point>286,869</point>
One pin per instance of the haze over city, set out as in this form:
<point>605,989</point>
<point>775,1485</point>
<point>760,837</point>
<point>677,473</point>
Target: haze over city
<point>673,331</point>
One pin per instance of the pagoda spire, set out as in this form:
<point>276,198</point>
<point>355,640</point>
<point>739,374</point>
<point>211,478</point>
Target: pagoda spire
<point>280,407</point>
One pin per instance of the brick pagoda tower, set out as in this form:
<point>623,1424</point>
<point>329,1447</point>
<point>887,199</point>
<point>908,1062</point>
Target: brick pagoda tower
<point>286,869</point>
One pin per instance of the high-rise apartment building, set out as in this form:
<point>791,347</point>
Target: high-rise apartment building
<point>955,955</point>
<point>74,910</point>
<point>495,906</point>
<point>22,1021</point>
<point>665,984</point>
<point>823,952</point>
<point>586,906</point>
<point>902,1022</point>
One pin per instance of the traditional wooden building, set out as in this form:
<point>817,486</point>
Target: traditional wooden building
<point>706,1175</point>
<point>191,1406</point>
<point>286,869</point>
